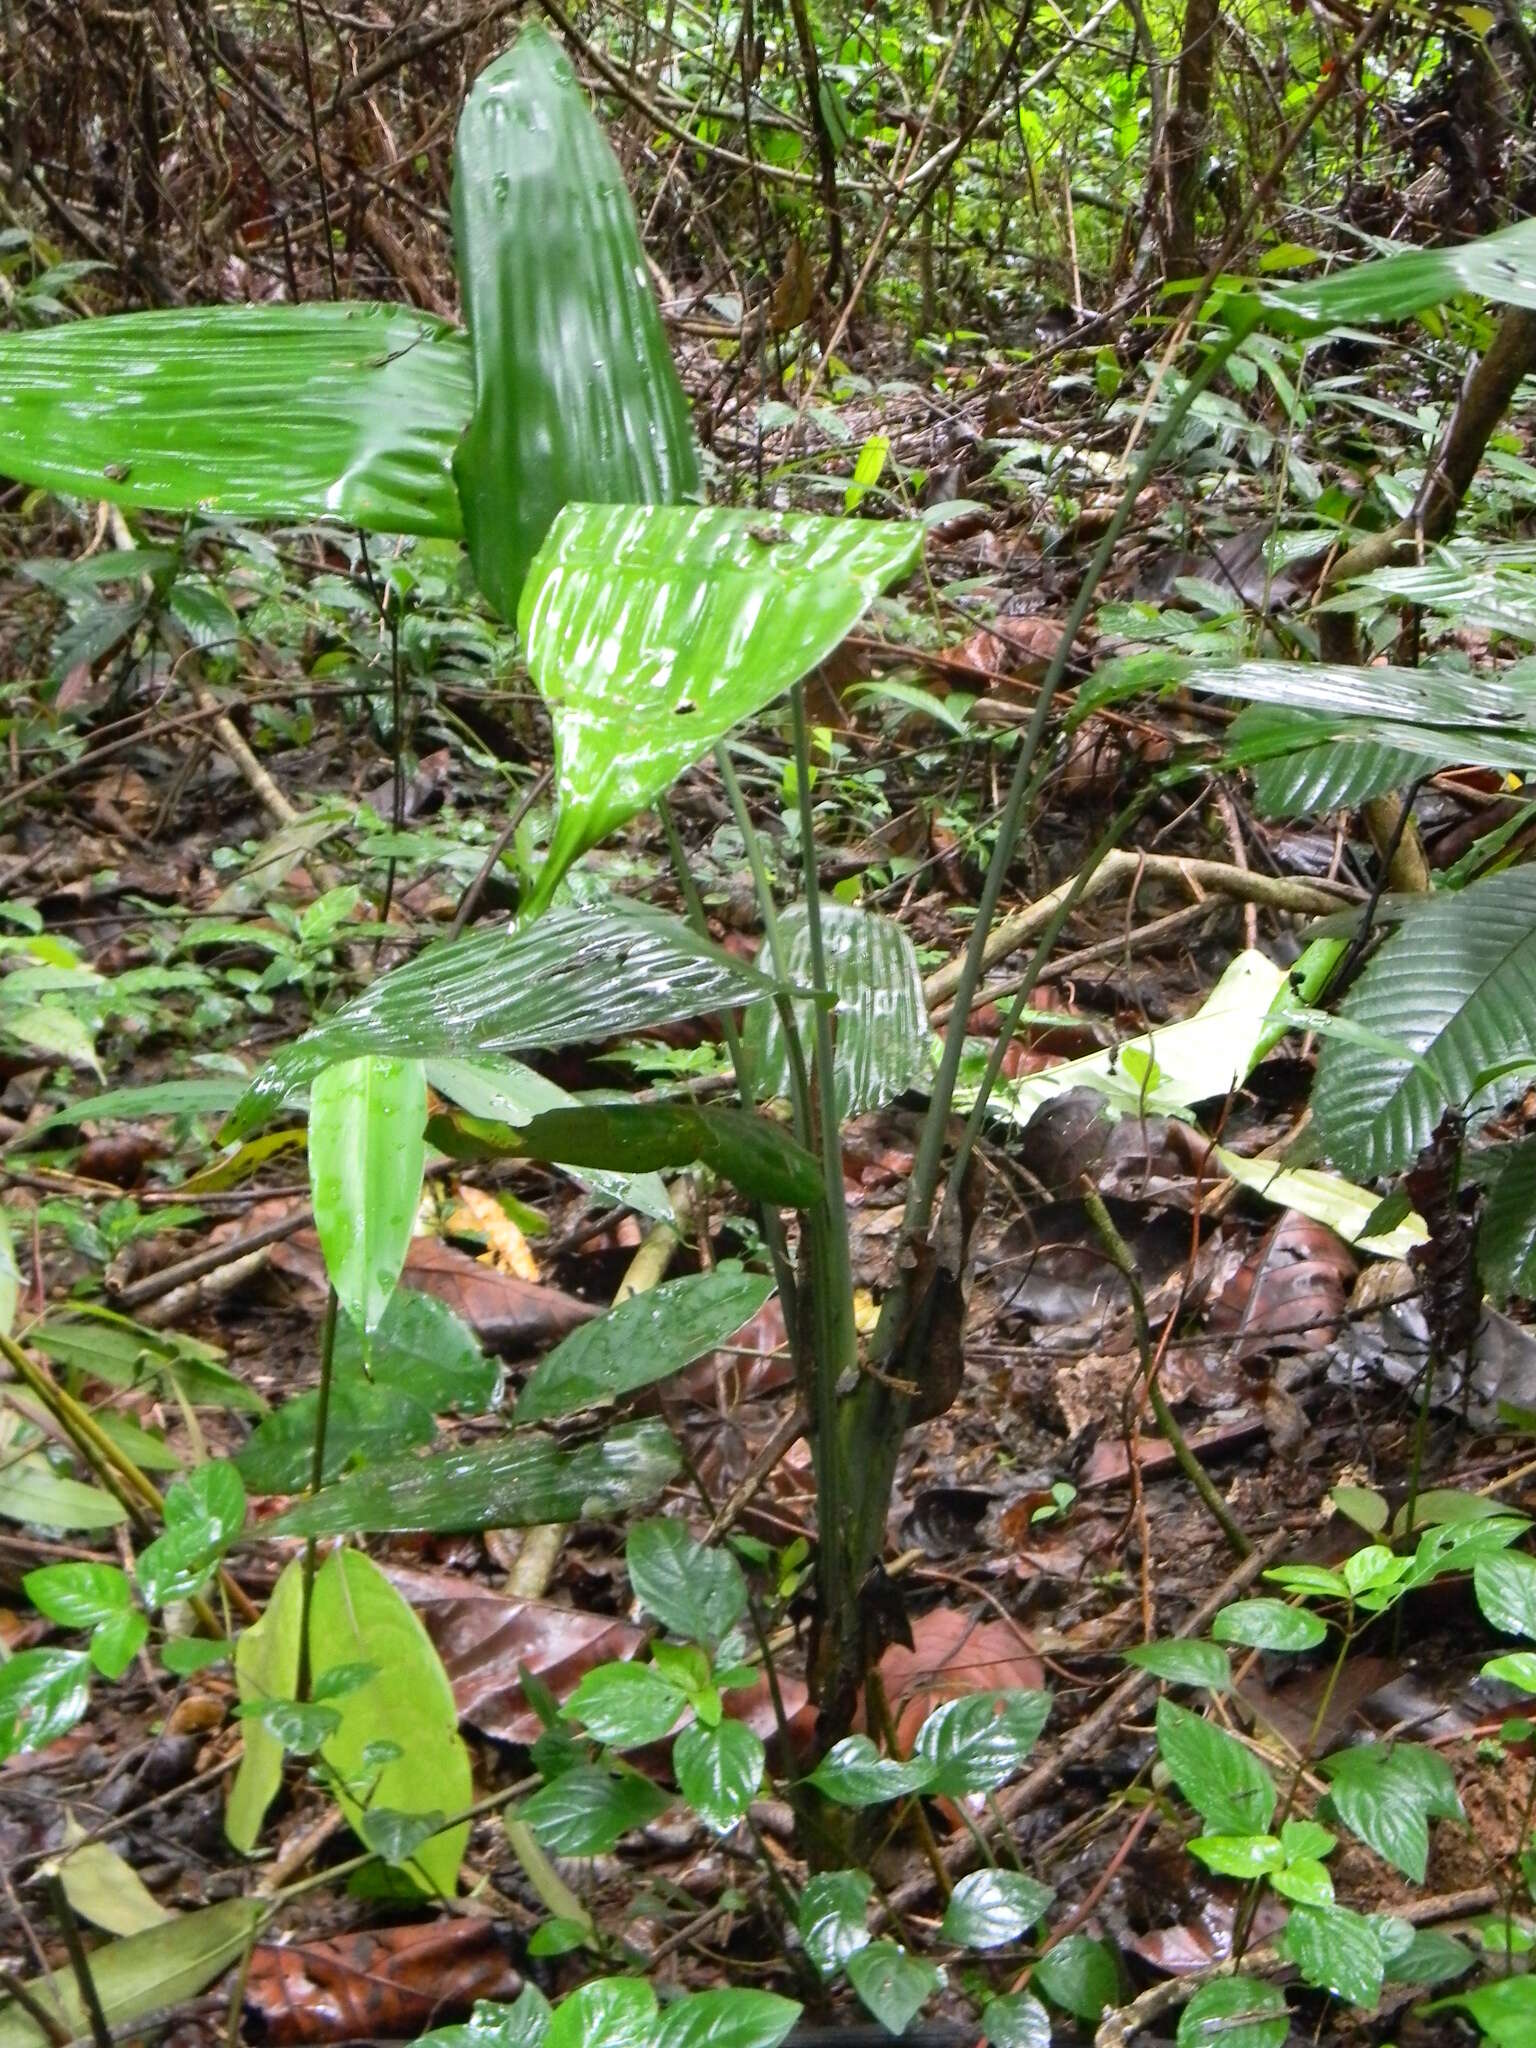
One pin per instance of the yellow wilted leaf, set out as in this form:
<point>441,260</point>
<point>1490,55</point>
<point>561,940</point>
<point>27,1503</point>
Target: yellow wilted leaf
<point>507,1248</point>
<point>866,1311</point>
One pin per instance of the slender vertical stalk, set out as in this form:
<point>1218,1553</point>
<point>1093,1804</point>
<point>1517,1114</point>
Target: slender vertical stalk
<point>316,1481</point>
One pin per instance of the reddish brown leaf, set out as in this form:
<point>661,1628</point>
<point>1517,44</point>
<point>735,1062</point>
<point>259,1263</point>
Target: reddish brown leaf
<point>953,1653</point>
<point>1291,1292</point>
<point>1108,1464</point>
<point>390,1983</point>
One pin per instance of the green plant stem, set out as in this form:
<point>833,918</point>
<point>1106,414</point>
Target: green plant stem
<point>1119,1253</point>
<point>1025,781</point>
<point>79,1962</point>
<point>767,909</point>
<point>832,1340</point>
<point>316,1481</point>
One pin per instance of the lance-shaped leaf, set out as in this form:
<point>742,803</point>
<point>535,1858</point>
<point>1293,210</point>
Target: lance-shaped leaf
<point>510,1483</point>
<point>597,971</point>
<point>884,1045</point>
<point>576,396</point>
<point>366,1153</point>
<point>1456,986</point>
<point>651,632</point>
<point>349,412</point>
<point>751,1152</point>
<point>1500,266</point>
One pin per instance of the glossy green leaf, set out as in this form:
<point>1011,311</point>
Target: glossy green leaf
<point>587,1811</point>
<point>204,1513</point>
<point>991,1907</point>
<point>1080,1975</point>
<point>752,1152</point>
<point>1430,1958</point>
<point>364,1423</point>
<point>1387,1793</point>
<point>422,1349</point>
<point>195,410</point>
<point>645,1338</point>
<point>366,1154</point>
<point>266,1668</point>
<point>43,1693</point>
<point>695,1590</point>
<point>1220,1777</point>
<point>10,1278</point>
<point>594,972</point>
<point>972,1744</point>
<point>625,1705</point>
<point>1500,266</point>
<point>523,2024</point>
<point>834,1908</point>
<point>1016,2020</point>
<point>149,1972</point>
<point>116,1642</point>
<point>509,1483</point>
<point>730,2017</point>
<point>652,633</point>
<point>506,1091</point>
<point>1455,984</point>
<point>1506,1591</point>
<point>1235,2012</point>
<point>1506,1237</point>
<point>1181,1662</point>
<point>1268,1625</point>
<point>78,1595</point>
<point>1303,762</point>
<point>854,1773</point>
<point>1504,2009</point>
<point>1434,695</point>
<point>112,1348</point>
<point>609,2012</point>
<point>883,1042</point>
<point>719,1771</point>
<point>1244,1856</point>
<point>576,396</point>
<point>893,1984</point>
<point>1335,1950</point>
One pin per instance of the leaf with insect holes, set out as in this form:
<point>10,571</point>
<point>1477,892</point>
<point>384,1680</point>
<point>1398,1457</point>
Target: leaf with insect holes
<point>652,631</point>
<point>718,1771</point>
<point>1220,1777</point>
<point>366,1153</point>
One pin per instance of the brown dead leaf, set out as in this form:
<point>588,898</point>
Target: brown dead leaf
<point>389,1983</point>
<point>1290,1293</point>
<point>1109,1466</point>
<point>953,1653</point>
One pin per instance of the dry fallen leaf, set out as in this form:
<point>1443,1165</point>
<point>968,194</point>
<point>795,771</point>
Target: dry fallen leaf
<point>479,1214</point>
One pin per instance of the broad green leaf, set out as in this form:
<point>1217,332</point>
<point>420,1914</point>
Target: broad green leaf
<point>883,1041</point>
<point>1430,1958</point>
<point>1506,1236</point>
<point>1220,1777</point>
<point>506,1091</point>
<point>893,1984</point>
<point>1080,1975</point>
<point>854,1773</point>
<point>111,1347</point>
<point>972,1744</point>
<point>652,633</point>
<point>1506,1591</point>
<point>1016,2020</point>
<point>1306,1881</point>
<point>991,1907</point>
<point>645,1338</point>
<point>1304,762</point>
<point>833,1910</point>
<point>358,1618</point>
<point>1518,1668</point>
<point>695,1590</point>
<point>1268,1625</point>
<point>625,1705</point>
<point>586,1811</point>
<point>611,2012</point>
<point>1244,1856</point>
<point>115,1643</point>
<point>422,1349</point>
<point>78,1595</point>
<point>523,2024</point>
<point>31,1491</point>
<point>266,1668</point>
<point>149,1972</point>
<point>195,410</point>
<point>1235,2012</point>
<point>366,1154</point>
<point>1335,1950</point>
<point>364,1424</point>
<point>1184,1662</point>
<point>595,972</point>
<point>1456,985</point>
<point>1388,1793</point>
<point>754,1153</point>
<point>1505,2010</point>
<point>103,1887</point>
<point>718,1770</point>
<point>1500,266</point>
<point>576,396</point>
<point>731,2017</point>
<point>43,1693</point>
<point>509,1483</point>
